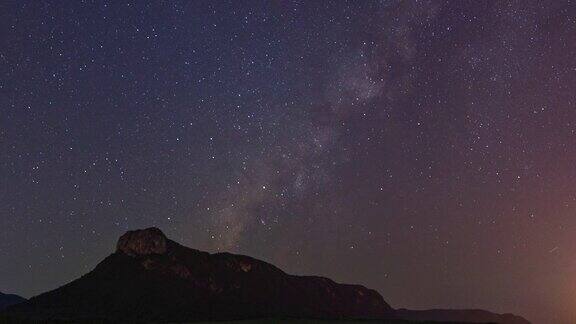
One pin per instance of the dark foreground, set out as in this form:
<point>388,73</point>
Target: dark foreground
<point>5,320</point>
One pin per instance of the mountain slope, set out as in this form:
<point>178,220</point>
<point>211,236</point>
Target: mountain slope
<point>152,278</point>
<point>8,300</point>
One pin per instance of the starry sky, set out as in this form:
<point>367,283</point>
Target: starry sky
<point>426,149</point>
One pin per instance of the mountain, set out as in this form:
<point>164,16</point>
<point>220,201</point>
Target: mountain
<point>463,315</point>
<point>153,279</point>
<point>9,300</point>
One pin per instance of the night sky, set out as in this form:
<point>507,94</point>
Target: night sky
<point>426,149</point>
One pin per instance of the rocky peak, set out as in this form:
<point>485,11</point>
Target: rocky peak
<point>143,242</point>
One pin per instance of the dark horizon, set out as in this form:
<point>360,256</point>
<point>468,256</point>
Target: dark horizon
<point>423,149</point>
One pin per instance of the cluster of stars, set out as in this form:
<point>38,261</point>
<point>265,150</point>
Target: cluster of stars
<point>410,139</point>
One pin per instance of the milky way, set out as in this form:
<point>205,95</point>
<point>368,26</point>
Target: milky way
<point>423,148</point>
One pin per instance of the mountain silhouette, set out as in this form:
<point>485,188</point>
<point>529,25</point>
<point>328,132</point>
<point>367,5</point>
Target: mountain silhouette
<point>458,315</point>
<point>9,300</point>
<point>153,279</point>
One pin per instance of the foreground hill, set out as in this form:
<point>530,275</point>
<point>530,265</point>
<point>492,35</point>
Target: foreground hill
<point>9,300</point>
<point>153,279</point>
